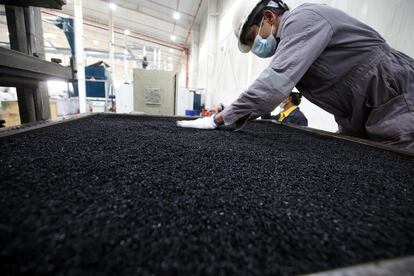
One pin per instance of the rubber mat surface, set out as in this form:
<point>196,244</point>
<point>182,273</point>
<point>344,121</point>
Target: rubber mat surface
<point>139,196</point>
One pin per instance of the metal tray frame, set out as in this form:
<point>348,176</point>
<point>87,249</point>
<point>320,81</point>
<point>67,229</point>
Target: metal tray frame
<point>32,127</point>
<point>403,266</point>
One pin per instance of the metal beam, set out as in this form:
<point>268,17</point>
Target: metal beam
<point>50,4</point>
<point>134,34</point>
<point>170,8</point>
<point>165,18</point>
<point>17,66</point>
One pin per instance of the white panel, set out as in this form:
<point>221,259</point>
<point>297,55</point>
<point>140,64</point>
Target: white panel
<point>226,27</point>
<point>124,98</point>
<point>185,100</point>
<point>203,54</point>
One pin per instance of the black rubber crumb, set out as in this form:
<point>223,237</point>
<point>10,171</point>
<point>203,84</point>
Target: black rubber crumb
<point>139,196</point>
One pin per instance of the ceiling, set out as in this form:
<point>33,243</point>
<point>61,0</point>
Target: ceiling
<point>150,22</point>
<point>152,19</point>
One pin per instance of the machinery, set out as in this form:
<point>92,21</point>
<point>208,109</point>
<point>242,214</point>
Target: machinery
<point>99,87</point>
<point>98,78</point>
<point>198,104</point>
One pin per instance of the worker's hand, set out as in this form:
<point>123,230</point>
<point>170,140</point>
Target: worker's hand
<point>202,123</point>
<point>217,108</point>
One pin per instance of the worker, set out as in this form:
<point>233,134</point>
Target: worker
<point>335,61</point>
<point>144,63</point>
<point>290,112</point>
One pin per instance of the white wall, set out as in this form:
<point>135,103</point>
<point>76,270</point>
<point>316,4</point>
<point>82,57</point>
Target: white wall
<point>234,71</point>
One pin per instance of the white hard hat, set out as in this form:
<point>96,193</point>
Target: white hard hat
<point>244,8</point>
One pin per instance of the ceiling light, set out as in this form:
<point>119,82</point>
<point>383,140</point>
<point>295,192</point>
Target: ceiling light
<point>112,6</point>
<point>173,37</point>
<point>127,32</point>
<point>171,50</point>
<point>95,42</point>
<point>49,35</point>
<point>176,15</point>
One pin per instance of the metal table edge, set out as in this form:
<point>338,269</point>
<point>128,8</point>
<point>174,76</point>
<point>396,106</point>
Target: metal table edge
<point>31,127</point>
<point>10,131</point>
<point>402,266</point>
<point>356,140</point>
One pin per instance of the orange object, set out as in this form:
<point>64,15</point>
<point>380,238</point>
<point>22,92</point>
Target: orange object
<point>206,113</point>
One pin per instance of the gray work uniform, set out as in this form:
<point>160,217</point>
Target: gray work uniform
<point>344,67</point>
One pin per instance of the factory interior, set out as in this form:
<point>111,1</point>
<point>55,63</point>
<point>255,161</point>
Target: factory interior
<point>207,137</point>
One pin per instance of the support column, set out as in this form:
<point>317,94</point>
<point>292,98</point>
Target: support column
<point>18,42</point>
<point>194,49</point>
<point>212,38</point>
<point>111,43</point>
<point>41,96</point>
<point>80,55</point>
<point>155,58</point>
<point>26,103</point>
<point>17,29</point>
<point>159,60</point>
<point>126,69</point>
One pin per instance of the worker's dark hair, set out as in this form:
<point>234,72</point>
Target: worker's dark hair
<point>255,18</point>
<point>296,98</point>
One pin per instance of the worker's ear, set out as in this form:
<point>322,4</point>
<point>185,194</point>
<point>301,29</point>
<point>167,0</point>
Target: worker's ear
<point>269,16</point>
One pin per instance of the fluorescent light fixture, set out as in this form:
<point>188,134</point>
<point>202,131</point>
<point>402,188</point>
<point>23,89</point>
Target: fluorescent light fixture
<point>176,15</point>
<point>173,37</point>
<point>112,6</point>
<point>95,42</point>
<point>49,35</point>
<point>127,32</point>
<point>171,50</point>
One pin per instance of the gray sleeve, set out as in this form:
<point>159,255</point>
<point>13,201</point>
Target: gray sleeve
<point>304,36</point>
